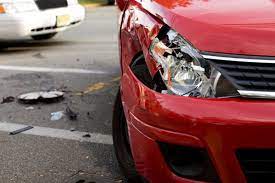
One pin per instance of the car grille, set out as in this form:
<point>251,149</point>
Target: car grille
<point>50,4</point>
<point>248,75</point>
<point>258,165</point>
<point>251,73</point>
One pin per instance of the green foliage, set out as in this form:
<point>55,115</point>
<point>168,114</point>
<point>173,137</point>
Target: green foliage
<point>92,2</point>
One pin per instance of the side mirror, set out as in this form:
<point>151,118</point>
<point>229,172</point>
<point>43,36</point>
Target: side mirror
<point>121,4</point>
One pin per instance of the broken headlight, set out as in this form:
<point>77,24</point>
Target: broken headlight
<point>183,70</point>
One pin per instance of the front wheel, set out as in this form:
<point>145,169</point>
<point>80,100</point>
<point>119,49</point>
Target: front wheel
<point>44,36</point>
<point>111,2</point>
<point>122,144</point>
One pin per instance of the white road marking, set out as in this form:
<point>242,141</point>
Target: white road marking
<point>58,133</point>
<point>49,69</point>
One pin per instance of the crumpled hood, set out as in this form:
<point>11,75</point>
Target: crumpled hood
<point>238,27</point>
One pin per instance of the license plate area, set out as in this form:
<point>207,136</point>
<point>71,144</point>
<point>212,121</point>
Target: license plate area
<point>62,20</point>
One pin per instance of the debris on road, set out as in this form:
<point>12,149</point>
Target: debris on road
<point>21,130</point>
<point>51,94</point>
<point>71,114</point>
<point>90,115</point>
<point>72,129</point>
<point>7,99</point>
<point>87,135</point>
<point>42,96</point>
<point>38,55</point>
<point>55,116</point>
<point>29,108</point>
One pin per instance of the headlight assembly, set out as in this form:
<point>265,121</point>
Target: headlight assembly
<point>183,69</point>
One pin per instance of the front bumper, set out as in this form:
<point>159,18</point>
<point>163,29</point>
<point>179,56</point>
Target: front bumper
<point>221,126</point>
<point>26,24</point>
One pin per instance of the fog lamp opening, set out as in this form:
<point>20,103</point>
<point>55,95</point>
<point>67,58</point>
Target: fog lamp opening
<point>189,162</point>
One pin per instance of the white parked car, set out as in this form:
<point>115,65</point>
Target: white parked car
<point>39,19</point>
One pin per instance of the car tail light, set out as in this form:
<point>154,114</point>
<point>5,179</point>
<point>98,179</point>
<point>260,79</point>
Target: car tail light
<point>189,162</point>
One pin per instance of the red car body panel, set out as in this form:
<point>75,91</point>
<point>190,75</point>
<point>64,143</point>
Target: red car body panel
<point>240,27</point>
<point>220,125</point>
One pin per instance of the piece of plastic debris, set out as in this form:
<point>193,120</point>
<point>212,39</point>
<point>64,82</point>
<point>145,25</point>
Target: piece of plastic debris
<point>71,114</point>
<point>55,116</point>
<point>29,108</point>
<point>38,55</point>
<point>87,135</point>
<point>51,94</point>
<point>21,130</point>
<point>72,129</point>
<point>41,96</point>
<point>7,99</point>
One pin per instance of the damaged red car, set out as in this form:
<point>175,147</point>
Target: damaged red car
<point>196,100</point>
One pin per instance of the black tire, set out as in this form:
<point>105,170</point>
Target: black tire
<point>111,2</point>
<point>2,47</point>
<point>44,36</point>
<point>122,145</point>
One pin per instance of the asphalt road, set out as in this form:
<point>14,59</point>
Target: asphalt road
<point>83,62</point>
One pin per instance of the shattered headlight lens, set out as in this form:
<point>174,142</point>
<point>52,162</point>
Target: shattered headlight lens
<point>183,69</point>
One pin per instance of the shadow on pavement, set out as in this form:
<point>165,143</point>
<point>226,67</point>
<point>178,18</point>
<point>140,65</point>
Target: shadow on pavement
<point>29,45</point>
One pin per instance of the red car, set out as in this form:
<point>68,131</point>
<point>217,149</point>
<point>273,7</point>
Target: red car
<point>196,101</point>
